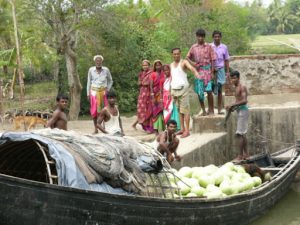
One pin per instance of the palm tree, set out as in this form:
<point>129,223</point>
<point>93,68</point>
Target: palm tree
<point>281,17</point>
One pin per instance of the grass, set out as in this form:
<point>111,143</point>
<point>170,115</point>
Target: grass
<point>39,96</point>
<point>273,44</point>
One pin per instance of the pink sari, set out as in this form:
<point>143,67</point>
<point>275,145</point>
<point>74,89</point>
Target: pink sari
<point>167,100</point>
<point>144,108</point>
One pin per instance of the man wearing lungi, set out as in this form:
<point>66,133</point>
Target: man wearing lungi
<point>202,56</point>
<point>98,83</point>
<point>221,67</point>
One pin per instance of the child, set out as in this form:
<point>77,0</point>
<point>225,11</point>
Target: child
<point>109,120</point>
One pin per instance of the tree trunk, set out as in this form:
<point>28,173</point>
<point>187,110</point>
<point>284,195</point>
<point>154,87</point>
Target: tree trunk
<point>5,70</point>
<point>19,58</point>
<point>12,85</point>
<point>74,82</point>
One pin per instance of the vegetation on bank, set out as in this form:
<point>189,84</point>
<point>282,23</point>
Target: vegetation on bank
<point>57,33</point>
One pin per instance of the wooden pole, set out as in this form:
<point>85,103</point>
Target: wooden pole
<point>19,58</point>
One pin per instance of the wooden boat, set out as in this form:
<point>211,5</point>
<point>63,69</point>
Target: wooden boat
<point>24,200</point>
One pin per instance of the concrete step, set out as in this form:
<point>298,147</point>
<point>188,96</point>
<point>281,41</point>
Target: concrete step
<point>208,124</point>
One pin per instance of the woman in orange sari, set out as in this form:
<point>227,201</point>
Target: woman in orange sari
<point>144,109</point>
<point>156,88</point>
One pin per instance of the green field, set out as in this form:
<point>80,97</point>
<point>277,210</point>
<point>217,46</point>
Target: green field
<point>276,44</point>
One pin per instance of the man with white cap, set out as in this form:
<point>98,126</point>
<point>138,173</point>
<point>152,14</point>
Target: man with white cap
<point>99,81</point>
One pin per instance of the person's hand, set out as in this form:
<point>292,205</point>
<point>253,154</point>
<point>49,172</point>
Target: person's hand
<point>228,107</point>
<point>169,97</point>
<point>88,98</point>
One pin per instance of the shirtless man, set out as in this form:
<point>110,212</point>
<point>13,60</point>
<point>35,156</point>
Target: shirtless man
<point>59,117</point>
<point>168,143</point>
<point>109,120</point>
<point>241,107</point>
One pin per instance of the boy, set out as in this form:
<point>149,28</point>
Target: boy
<point>109,120</point>
<point>240,105</point>
<point>59,117</point>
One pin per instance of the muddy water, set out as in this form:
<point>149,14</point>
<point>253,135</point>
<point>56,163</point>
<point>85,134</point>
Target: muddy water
<point>285,212</point>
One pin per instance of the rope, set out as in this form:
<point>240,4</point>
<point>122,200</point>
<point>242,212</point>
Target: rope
<point>254,127</point>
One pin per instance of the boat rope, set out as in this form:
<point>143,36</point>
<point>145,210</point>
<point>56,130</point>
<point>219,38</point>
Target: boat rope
<point>254,128</point>
<point>272,140</point>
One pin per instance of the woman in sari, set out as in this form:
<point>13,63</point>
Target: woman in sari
<point>144,109</point>
<point>156,88</point>
<point>170,111</point>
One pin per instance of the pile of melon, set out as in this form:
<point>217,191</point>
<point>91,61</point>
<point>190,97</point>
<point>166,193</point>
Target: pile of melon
<point>212,181</point>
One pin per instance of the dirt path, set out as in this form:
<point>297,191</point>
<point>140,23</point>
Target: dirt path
<point>86,126</point>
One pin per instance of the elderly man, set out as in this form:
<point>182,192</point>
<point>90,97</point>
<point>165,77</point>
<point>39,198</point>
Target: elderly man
<point>98,83</point>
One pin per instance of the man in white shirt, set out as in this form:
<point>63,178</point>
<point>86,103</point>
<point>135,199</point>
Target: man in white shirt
<point>180,90</point>
<point>99,81</point>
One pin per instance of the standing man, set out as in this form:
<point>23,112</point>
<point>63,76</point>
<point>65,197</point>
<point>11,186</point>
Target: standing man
<point>241,107</point>
<point>109,120</point>
<point>59,117</point>
<point>99,81</point>
<point>202,56</point>
<point>180,90</point>
<point>221,67</point>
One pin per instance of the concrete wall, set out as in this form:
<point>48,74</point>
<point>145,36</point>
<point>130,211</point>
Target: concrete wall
<point>271,127</point>
<point>269,73</point>
<point>215,151</point>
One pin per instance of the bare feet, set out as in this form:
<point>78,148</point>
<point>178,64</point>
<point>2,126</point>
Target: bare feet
<point>178,158</point>
<point>95,132</point>
<point>238,158</point>
<point>211,113</point>
<point>221,113</point>
<point>134,126</point>
<point>246,156</point>
<point>203,113</point>
<point>179,132</point>
<point>185,134</point>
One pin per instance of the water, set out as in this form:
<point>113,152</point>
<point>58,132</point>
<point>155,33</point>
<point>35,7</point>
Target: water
<point>286,210</point>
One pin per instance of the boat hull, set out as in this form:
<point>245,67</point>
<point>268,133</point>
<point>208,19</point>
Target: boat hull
<point>30,202</point>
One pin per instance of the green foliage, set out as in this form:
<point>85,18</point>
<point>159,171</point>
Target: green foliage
<point>8,57</point>
<point>282,17</point>
<point>126,32</point>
